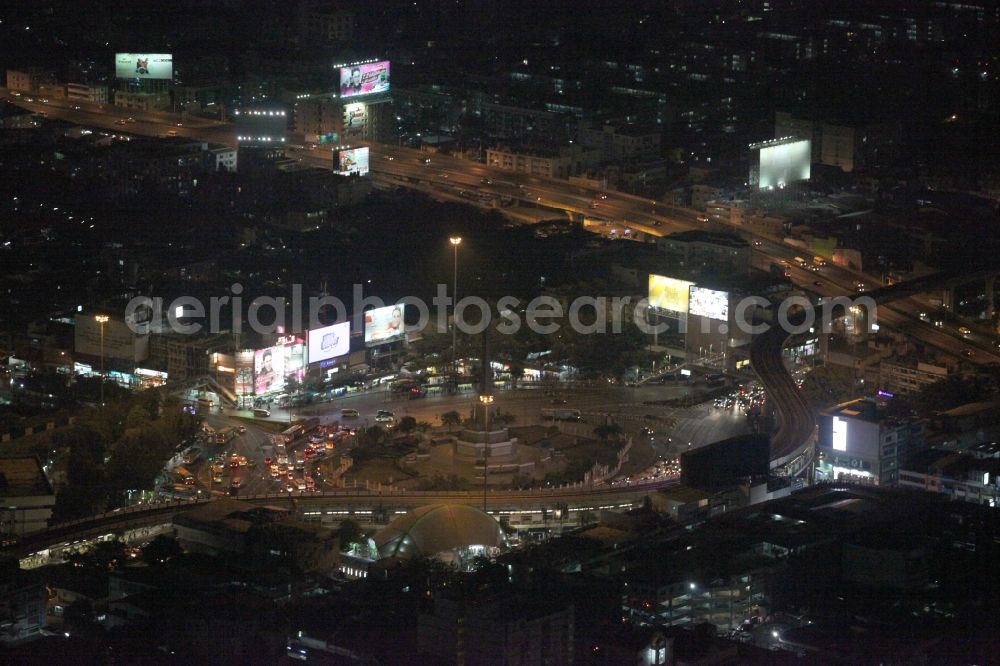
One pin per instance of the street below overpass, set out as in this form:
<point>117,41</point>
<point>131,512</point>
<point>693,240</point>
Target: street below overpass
<point>543,508</point>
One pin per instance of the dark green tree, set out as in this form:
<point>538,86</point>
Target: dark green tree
<point>407,424</point>
<point>161,550</point>
<point>606,431</point>
<point>451,419</point>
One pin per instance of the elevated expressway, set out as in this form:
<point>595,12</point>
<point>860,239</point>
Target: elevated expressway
<point>792,445</point>
<point>537,507</point>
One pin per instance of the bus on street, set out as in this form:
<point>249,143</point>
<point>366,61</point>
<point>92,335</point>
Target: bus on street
<point>225,435</point>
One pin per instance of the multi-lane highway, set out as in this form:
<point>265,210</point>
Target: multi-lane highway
<point>407,167</point>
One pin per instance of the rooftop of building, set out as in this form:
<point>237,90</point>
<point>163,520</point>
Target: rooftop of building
<point>914,361</point>
<point>861,409</point>
<point>23,476</point>
<point>628,129</point>
<point>683,494</point>
<point>607,536</point>
<point>536,150</point>
<point>951,464</point>
<point>974,409</point>
<point>985,449</point>
<point>429,530</point>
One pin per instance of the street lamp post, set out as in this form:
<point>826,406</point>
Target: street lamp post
<point>455,242</point>
<point>101,321</point>
<point>487,400</point>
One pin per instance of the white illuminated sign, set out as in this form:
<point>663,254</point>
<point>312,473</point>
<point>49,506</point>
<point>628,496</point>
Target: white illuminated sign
<point>709,303</point>
<point>839,434</point>
<point>784,163</point>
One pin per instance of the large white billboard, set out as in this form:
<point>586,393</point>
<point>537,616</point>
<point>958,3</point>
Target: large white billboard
<point>384,325</point>
<point>669,294</point>
<point>839,434</point>
<point>352,161</point>
<point>784,163</point>
<point>119,341</point>
<point>144,66</point>
<point>329,342</point>
<point>709,303</point>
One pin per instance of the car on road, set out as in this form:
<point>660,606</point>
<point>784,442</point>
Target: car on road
<point>267,462</point>
<point>385,418</point>
<point>261,413</point>
<point>349,414</point>
<point>964,331</point>
<point>242,430</point>
<point>817,283</point>
<point>968,353</point>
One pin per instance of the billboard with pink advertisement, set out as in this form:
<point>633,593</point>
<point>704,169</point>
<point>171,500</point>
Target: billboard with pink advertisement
<point>364,79</point>
<point>273,366</point>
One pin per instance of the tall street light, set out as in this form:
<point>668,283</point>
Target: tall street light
<point>455,242</point>
<point>487,400</point>
<point>101,321</point>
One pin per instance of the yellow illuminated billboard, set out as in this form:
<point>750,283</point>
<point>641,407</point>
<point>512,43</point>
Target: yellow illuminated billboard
<point>669,294</point>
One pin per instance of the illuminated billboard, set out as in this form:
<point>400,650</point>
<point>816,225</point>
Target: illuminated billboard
<point>365,79</point>
<point>274,365</point>
<point>244,372</point>
<point>709,303</point>
<point>268,370</point>
<point>352,161</point>
<point>355,118</point>
<point>839,434</point>
<point>144,66</point>
<point>668,294</point>
<point>329,342</point>
<point>778,163</point>
<point>384,325</point>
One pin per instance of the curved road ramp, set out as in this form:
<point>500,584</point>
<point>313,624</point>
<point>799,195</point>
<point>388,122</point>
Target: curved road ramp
<point>792,445</point>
